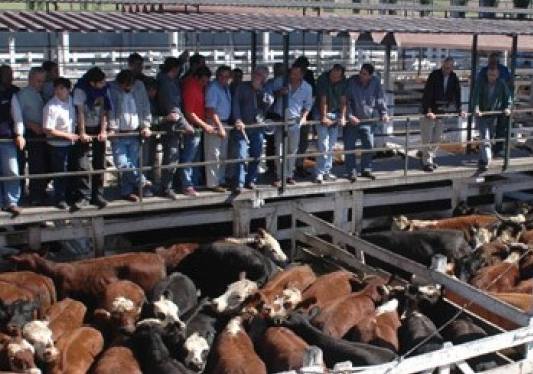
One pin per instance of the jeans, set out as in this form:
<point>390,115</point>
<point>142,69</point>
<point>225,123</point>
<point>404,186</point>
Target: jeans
<point>61,160</point>
<point>246,175</point>
<point>191,145</point>
<point>487,130</point>
<point>171,156</point>
<point>85,190</point>
<point>126,155</point>
<point>215,149</point>
<point>365,133</point>
<point>9,167</point>
<point>327,137</point>
<point>38,164</point>
<point>293,140</point>
<point>431,133</point>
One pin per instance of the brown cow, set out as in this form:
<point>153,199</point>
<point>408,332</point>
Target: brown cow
<point>17,306</point>
<point>117,360</point>
<point>40,286</point>
<point>121,306</point>
<point>283,292</point>
<point>65,316</point>
<point>78,350</point>
<point>281,349</point>
<point>520,300</point>
<point>16,355</point>
<point>173,255</point>
<point>87,279</point>
<point>340,316</point>
<point>501,277</point>
<point>234,353</point>
<point>328,288</point>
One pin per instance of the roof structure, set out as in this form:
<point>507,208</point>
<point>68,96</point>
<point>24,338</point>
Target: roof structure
<point>55,21</point>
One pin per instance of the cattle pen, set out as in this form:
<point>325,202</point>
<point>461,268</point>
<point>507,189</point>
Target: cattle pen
<point>318,221</point>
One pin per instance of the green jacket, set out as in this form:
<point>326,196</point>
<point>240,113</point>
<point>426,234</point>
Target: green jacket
<point>499,101</point>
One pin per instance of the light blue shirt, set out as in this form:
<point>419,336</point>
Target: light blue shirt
<point>299,100</point>
<point>218,98</point>
<point>31,104</point>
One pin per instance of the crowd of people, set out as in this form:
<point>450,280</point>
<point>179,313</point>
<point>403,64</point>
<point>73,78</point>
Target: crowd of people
<point>64,127</point>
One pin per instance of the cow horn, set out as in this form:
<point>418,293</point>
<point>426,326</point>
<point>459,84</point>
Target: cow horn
<point>247,240</point>
<point>242,275</point>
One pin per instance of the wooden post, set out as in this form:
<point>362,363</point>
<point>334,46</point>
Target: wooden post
<point>98,234</point>
<point>241,218</point>
<point>357,211</point>
<point>459,192</point>
<point>34,237</point>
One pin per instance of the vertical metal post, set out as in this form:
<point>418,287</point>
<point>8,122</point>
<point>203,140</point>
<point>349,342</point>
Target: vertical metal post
<point>140,170</point>
<point>284,127</point>
<point>406,160</point>
<point>387,69</point>
<point>509,120</point>
<point>254,50</point>
<point>420,54</point>
<point>473,75</point>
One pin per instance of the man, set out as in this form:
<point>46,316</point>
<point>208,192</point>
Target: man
<point>91,99</point>
<point>169,104</point>
<point>59,116</point>
<point>331,93</point>
<point>442,94</point>
<point>11,128</point>
<point>250,104</point>
<point>276,86</point>
<point>491,94</point>
<point>196,61</point>
<point>494,63</point>
<point>365,101</point>
<point>31,104</point>
<point>236,79</point>
<point>299,97</point>
<point>130,113</point>
<point>52,73</point>
<point>194,111</point>
<point>136,66</point>
<point>218,112</point>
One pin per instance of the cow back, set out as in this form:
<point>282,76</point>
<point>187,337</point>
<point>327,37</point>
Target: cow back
<point>181,289</point>
<point>78,350</point>
<point>236,355</point>
<point>9,293</point>
<point>327,288</point>
<point>65,316</point>
<point>117,360</point>
<point>281,349</point>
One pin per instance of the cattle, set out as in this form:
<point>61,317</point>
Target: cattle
<point>41,287</point>
<point>421,246</point>
<point>281,349</point>
<point>501,277</point>
<point>151,351</point>
<point>418,334</point>
<point>337,350</point>
<point>177,289</point>
<point>213,266</point>
<point>117,360</point>
<point>78,350</point>
<point>199,337</point>
<point>520,300</point>
<point>175,253</point>
<point>39,335</point>
<point>65,316</point>
<point>87,279</point>
<point>342,314</point>
<point>236,294</point>
<point>465,330</point>
<point>327,288</point>
<point>283,292</point>
<point>233,352</point>
<point>16,355</point>
<point>120,306</point>
<point>17,308</point>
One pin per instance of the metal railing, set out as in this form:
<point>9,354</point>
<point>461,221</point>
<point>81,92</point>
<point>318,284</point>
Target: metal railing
<point>407,135</point>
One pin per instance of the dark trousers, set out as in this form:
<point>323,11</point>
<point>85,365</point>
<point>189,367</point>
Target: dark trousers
<point>171,155</point>
<point>38,155</point>
<point>85,190</point>
<point>62,159</point>
<point>501,133</point>
<point>270,148</point>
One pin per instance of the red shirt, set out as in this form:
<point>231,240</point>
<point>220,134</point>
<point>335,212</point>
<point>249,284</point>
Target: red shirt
<point>193,97</point>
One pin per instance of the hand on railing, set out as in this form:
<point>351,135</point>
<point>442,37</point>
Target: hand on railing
<point>84,138</point>
<point>20,142</point>
<point>146,132</point>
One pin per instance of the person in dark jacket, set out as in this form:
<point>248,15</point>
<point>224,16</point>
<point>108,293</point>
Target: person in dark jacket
<point>491,94</point>
<point>442,94</point>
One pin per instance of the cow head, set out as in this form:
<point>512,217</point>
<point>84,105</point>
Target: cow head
<point>270,246</point>
<point>235,295</point>
<point>508,231</point>
<point>20,357</point>
<point>479,236</point>
<point>284,303</point>
<point>400,223</point>
<point>124,314</point>
<point>462,209</point>
<point>168,312</point>
<point>28,260</point>
<point>17,314</point>
<point>148,340</point>
<point>197,349</point>
<point>389,307</point>
<point>41,337</point>
<point>234,326</point>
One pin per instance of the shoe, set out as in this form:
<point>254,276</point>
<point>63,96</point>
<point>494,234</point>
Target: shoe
<point>251,186</point>
<point>330,177</point>
<point>99,201</point>
<point>319,179</point>
<point>147,184</point>
<point>428,168</point>
<point>301,172</point>
<point>291,181</point>
<point>368,174</point>
<point>276,183</point>
<point>482,168</point>
<point>190,191</point>
<point>80,204</point>
<point>14,209</point>
<point>352,177</point>
<point>131,197</point>
<point>218,189</point>
<point>435,165</point>
<point>170,194</point>
<point>62,205</point>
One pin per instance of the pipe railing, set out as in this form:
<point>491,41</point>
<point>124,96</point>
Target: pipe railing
<point>407,134</point>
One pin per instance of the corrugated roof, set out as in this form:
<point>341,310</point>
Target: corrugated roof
<point>164,22</point>
<point>462,42</point>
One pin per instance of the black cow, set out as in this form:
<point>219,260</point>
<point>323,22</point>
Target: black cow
<point>15,315</point>
<point>177,288</point>
<point>151,351</point>
<point>214,266</point>
<point>421,246</point>
<point>337,350</point>
<point>464,330</point>
<point>415,329</point>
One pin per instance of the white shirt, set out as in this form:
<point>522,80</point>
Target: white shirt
<point>59,115</point>
<point>129,121</point>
